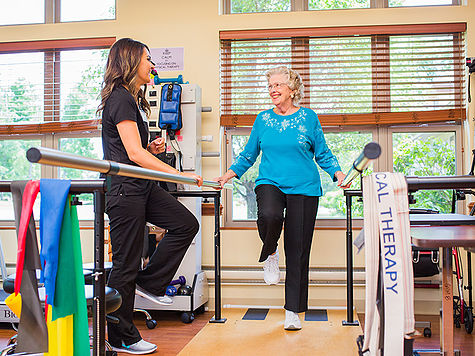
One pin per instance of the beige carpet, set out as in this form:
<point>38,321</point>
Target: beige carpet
<point>268,337</point>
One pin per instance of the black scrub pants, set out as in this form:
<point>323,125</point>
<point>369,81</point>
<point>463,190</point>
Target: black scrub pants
<point>300,214</point>
<point>127,216</point>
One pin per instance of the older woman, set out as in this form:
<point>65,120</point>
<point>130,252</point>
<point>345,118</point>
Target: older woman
<point>291,140</point>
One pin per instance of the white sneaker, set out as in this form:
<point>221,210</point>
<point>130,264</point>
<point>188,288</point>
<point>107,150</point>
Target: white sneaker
<point>271,269</point>
<point>162,300</point>
<point>292,321</point>
<point>141,347</point>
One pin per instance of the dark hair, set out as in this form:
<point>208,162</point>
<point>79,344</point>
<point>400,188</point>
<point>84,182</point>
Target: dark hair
<point>121,69</point>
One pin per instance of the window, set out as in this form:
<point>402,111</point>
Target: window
<point>426,153</point>
<point>85,10</point>
<point>388,86</point>
<point>424,74</point>
<point>14,156</point>
<point>50,92</point>
<point>346,146</point>
<point>22,12</point>
<point>421,150</point>
<point>22,87</point>
<point>340,71</point>
<point>15,166</point>
<point>396,3</point>
<point>352,74</point>
<point>249,6</point>
<point>243,6</point>
<point>90,147</point>
<point>81,76</point>
<point>244,207</point>
<point>245,80</point>
<point>337,4</point>
<point>86,146</point>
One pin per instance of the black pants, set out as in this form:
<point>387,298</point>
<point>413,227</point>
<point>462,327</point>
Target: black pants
<point>300,214</point>
<point>127,215</point>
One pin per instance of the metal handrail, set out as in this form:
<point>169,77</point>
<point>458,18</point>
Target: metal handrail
<point>52,157</point>
<point>371,151</point>
<point>413,184</point>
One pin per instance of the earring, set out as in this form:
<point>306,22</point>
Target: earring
<point>292,95</point>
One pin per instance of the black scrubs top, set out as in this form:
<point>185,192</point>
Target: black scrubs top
<point>121,106</point>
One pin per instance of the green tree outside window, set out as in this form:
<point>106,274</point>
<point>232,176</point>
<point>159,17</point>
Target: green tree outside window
<point>426,154</point>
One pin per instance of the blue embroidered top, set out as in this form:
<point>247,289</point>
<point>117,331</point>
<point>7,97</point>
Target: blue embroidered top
<point>290,145</point>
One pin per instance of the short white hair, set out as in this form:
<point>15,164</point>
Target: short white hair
<point>294,81</point>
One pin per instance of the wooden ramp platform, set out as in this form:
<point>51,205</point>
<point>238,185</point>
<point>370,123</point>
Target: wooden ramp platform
<point>261,332</point>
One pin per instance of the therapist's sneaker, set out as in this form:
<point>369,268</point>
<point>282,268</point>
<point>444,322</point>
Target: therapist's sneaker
<point>162,300</point>
<point>141,347</point>
<point>292,321</point>
<point>271,269</point>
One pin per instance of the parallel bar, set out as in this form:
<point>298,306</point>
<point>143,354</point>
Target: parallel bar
<point>99,304</point>
<point>349,266</point>
<point>440,182</point>
<point>77,186</point>
<point>371,151</point>
<point>215,195</point>
<point>217,265</point>
<point>413,184</point>
<point>432,183</point>
<point>63,159</point>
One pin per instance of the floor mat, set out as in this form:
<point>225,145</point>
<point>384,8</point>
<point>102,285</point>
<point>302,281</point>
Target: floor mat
<point>321,334</point>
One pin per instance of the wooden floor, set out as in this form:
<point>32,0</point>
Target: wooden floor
<point>171,335</point>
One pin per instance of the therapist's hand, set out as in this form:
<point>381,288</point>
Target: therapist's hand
<point>156,146</point>
<point>196,177</point>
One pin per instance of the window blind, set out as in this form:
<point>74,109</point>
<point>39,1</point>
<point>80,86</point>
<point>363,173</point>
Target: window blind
<point>392,77</point>
<point>45,85</point>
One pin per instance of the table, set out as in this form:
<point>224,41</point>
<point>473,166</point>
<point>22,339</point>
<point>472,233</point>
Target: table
<point>445,237</point>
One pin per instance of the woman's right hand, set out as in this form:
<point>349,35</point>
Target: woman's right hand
<point>224,178</point>
<point>196,177</point>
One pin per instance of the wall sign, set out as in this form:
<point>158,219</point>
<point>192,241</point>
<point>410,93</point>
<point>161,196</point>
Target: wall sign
<point>168,59</point>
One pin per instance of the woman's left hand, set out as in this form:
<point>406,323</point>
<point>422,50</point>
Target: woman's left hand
<point>340,176</point>
<point>157,146</point>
